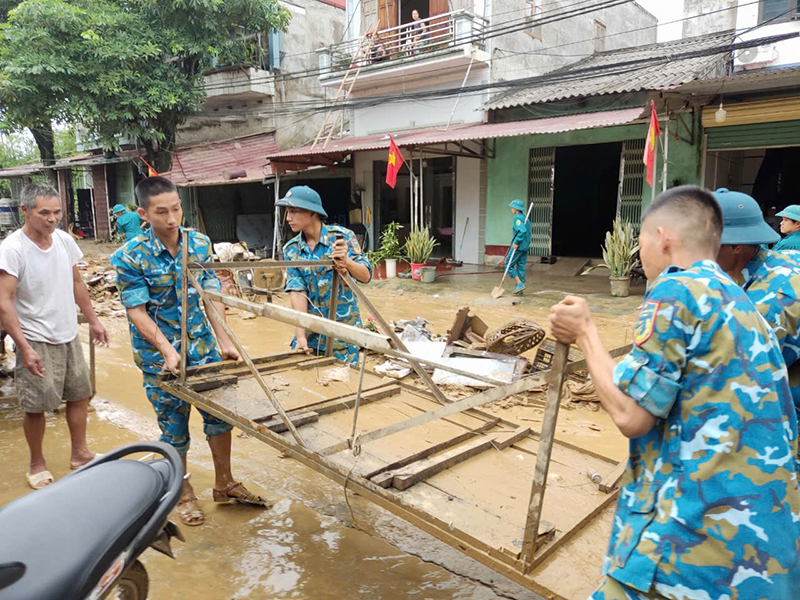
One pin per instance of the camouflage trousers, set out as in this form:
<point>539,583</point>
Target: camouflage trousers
<point>611,589</point>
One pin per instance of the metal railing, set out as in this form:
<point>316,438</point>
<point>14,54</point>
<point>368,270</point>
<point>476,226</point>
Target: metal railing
<point>415,38</point>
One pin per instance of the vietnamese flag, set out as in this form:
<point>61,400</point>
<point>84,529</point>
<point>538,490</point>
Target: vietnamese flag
<point>395,162</point>
<point>649,158</point>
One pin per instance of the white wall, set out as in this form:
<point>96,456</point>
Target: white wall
<point>468,206</point>
<point>401,116</point>
<point>787,51</point>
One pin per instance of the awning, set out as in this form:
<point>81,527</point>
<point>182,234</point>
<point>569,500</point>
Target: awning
<point>236,160</point>
<point>337,150</point>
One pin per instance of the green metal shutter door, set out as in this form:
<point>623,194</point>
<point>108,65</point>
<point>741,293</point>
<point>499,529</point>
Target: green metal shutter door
<point>540,195</point>
<point>754,135</point>
<point>629,205</point>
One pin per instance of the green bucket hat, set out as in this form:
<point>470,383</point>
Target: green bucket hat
<point>302,196</point>
<point>742,220</point>
<point>790,212</point>
<point>118,208</point>
<point>518,204</point>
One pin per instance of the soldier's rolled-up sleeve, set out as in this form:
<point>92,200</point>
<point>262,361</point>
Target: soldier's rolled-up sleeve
<point>354,252</point>
<point>207,278</point>
<point>133,288</point>
<point>651,372</point>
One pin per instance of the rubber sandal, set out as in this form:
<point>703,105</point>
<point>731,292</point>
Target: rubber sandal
<point>244,496</point>
<point>189,512</point>
<point>36,481</point>
<point>76,467</point>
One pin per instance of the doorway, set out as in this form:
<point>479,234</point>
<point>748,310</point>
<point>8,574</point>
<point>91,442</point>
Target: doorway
<point>585,194</point>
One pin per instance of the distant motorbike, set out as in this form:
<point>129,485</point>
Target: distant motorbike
<point>80,538</point>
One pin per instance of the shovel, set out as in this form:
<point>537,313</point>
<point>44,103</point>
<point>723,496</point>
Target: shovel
<point>498,290</point>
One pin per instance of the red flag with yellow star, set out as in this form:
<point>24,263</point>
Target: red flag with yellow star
<point>649,158</point>
<point>395,162</point>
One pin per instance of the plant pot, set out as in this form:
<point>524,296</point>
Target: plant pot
<point>427,274</point>
<point>415,268</point>
<point>391,268</point>
<point>620,286</point>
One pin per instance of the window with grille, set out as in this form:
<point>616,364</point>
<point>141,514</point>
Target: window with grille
<point>774,11</point>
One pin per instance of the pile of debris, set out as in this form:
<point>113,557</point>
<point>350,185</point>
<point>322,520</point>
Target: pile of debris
<point>101,281</point>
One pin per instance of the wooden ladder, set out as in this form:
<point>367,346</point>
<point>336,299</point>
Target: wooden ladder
<point>343,93</point>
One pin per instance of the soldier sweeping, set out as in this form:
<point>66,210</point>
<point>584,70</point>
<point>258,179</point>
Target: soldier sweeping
<point>517,256</point>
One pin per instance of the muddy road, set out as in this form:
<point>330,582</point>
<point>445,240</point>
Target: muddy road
<point>307,545</point>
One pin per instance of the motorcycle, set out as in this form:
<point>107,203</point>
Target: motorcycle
<point>80,538</point>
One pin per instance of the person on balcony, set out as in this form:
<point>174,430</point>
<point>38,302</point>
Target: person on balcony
<point>418,29</point>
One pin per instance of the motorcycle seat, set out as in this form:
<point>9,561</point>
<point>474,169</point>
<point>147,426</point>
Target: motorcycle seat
<point>69,533</point>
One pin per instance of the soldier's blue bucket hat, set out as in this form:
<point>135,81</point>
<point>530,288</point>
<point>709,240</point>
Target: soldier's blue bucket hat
<point>302,196</point>
<point>517,204</point>
<point>742,220</point>
<point>790,212</point>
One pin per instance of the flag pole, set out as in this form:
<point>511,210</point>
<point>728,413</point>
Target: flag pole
<point>666,156</point>
<point>655,162</point>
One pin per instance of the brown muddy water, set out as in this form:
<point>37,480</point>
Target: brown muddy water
<point>306,546</point>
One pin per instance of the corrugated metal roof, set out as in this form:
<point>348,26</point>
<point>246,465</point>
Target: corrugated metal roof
<point>607,79</point>
<point>747,81</point>
<point>72,162</point>
<point>464,132</point>
<point>21,170</point>
<point>203,163</point>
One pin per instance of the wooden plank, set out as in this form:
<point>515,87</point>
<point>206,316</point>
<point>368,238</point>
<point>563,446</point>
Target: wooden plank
<point>459,325</point>
<point>315,363</point>
<point>498,393</point>
<point>610,481</point>
<point>431,450</point>
<point>335,283</point>
<point>389,330</point>
<point>246,358</point>
<point>343,402</point>
<point>259,264</point>
<point>558,373</point>
<point>211,383</point>
<point>424,469</point>
<point>184,302</point>
<point>298,420</point>
<point>228,365</point>
<point>582,365</point>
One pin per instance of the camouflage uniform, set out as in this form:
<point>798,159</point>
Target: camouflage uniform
<point>709,505</point>
<point>148,274</point>
<point>790,242</point>
<point>772,281</point>
<point>522,237</point>
<point>316,284</point>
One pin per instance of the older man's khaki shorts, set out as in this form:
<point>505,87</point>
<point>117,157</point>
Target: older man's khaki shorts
<point>66,377</point>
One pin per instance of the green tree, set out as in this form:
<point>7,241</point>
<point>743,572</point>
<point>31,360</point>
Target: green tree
<point>118,67</point>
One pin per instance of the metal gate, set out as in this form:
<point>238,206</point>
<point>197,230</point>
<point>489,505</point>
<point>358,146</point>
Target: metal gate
<point>540,194</point>
<point>631,182</point>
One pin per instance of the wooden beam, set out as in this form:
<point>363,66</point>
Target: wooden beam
<point>232,367</point>
<point>259,264</point>
<point>184,303</point>
<point>388,330</point>
<point>460,324</point>
<point>431,450</point>
<point>498,393</point>
<point>297,420</point>
<point>204,384</point>
<point>582,365</point>
<point>427,468</point>
<point>557,375</point>
<point>609,483</point>
<point>315,363</point>
<point>334,301</point>
<point>343,402</point>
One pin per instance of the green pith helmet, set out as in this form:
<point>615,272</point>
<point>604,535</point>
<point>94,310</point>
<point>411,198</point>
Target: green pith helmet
<point>302,196</point>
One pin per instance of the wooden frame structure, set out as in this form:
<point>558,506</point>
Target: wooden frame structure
<point>520,559</point>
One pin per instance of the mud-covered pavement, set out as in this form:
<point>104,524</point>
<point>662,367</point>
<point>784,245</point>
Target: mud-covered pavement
<point>307,546</point>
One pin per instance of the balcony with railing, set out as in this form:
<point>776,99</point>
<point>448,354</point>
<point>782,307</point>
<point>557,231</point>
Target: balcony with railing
<point>438,43</point>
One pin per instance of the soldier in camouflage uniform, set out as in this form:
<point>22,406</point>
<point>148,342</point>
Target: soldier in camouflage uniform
<point>149,279</point>
<point>770,278</point>
<point>709,506</point>
<point>310,288</point>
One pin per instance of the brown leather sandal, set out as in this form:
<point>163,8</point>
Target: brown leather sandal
<point>236,492</point>
<point>189,512</point>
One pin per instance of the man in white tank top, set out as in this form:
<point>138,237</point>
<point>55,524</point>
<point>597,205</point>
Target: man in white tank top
<point>39,287</point>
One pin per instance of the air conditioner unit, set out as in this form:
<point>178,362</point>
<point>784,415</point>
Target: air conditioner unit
<point>755,57</point>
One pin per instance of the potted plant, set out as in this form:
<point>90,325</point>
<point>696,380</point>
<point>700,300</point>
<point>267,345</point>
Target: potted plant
<point>418,248</point>
<point>620,256</point>
<point>391,250</point>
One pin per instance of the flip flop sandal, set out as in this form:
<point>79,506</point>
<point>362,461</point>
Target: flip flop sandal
<point>36,481</point>
<point>189,512</point>
<point>76,467</point>
<point>244,496</point>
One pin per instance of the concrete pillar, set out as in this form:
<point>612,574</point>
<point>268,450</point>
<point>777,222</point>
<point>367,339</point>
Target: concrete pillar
<point>102,229</point>
<point>63,193</point>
